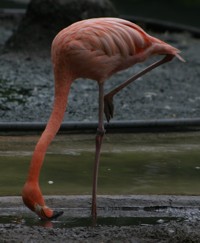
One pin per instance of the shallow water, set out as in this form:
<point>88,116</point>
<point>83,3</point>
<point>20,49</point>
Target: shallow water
<point>130,164</point>
<point>66,222</point>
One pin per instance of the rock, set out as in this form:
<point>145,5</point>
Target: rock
<point>44,19</point>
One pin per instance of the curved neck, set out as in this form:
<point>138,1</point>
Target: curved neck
<point>62,86</point>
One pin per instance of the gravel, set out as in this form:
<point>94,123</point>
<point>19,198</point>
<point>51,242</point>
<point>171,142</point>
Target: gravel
<point>25,227</point>
<point>170,91</point>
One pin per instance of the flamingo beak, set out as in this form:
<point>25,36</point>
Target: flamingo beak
<point>45,213</point>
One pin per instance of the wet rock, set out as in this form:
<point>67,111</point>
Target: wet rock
<point>44,19</point>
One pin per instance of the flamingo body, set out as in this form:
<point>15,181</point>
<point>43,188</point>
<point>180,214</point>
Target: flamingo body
<point>94,49</point>
<point>103,46</point>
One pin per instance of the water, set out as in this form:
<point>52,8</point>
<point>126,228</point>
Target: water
<point>130,164</point>
<point>85,222</point>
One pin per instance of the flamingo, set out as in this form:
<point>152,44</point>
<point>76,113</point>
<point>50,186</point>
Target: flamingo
<point>95,49</point>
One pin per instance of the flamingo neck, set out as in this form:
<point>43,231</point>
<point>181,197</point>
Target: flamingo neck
<point>62,87</point>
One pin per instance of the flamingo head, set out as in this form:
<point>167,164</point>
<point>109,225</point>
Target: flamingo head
<point>33,199</point>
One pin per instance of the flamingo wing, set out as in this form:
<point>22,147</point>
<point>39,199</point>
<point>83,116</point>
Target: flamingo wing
<point>102,46</point>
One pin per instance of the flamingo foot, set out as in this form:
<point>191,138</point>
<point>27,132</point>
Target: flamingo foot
<point>108,107</point>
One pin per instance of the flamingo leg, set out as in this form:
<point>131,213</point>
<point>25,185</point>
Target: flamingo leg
<point>99,138</point>
<point>108,98</point>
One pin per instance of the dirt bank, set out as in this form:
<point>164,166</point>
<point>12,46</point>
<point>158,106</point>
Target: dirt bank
<point>134,219</point>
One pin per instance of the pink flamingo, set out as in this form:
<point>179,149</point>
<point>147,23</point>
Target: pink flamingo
<point>94,49</point>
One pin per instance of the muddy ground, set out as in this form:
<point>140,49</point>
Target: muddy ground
<point>171,91</point>
<point>153,219</point>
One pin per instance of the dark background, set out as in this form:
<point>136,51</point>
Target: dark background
<point>178,11</point>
